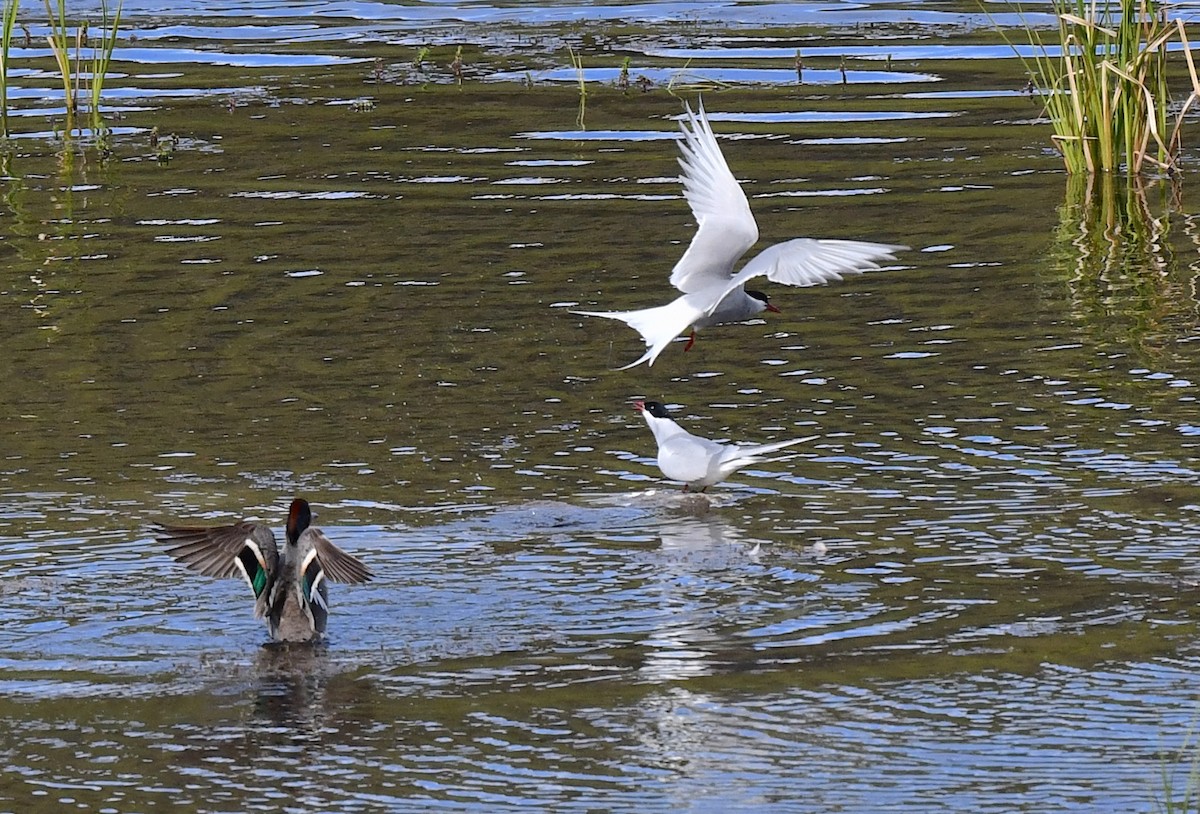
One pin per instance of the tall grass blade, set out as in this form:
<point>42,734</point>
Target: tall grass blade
<point>577,61</point>
<point>101,57</point>
<point>7,22</point>
<point>1187,799</point>
<point>58,40</point>
<point>1174,143</point>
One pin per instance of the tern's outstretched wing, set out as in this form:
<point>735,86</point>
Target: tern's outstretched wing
<point>725,225</point>
<point>808,261</point>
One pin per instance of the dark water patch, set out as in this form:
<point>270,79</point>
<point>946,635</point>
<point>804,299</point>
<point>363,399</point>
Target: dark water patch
<point>806,117</point>
<point>602,135</point>
<point>994,93</point>
<point>732,76</point>
<point>887,51</point>
<point>810,116</point>
<point>190,56</point>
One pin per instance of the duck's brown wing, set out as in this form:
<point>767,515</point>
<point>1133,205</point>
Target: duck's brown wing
<point>337,564</point>
<point>217,551</point>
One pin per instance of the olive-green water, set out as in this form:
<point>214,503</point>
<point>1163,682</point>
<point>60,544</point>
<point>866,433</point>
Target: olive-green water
<point>332,273</point>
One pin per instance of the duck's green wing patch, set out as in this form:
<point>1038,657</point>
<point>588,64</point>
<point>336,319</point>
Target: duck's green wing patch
<point>245,549</point>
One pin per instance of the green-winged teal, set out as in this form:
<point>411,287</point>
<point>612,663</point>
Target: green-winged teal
<point>288,584</point>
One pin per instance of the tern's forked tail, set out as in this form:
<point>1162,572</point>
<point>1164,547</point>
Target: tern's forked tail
<point>658,326</point>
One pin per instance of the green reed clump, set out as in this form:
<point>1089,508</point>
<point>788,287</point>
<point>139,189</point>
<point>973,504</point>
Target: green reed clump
<point>101,57</point>
<point>59,39</point>
<point>1106,89</point>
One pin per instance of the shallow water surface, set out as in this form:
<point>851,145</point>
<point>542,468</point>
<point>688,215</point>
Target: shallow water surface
<point>306,262</point>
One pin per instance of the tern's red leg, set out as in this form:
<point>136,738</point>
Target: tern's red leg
<point>691,341</point>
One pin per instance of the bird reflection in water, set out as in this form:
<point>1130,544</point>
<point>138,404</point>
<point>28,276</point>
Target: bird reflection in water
<point>290,684</point>
<point>688,640</point>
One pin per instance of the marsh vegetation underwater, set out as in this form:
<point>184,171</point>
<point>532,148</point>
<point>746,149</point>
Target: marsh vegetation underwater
<point>315,256</point>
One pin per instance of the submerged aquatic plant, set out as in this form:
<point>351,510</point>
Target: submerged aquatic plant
<point>1106,87</point>
<point>7,22</point>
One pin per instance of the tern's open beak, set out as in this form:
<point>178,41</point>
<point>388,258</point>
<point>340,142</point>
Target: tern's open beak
<point>639,406</point>
<point>773,309</point>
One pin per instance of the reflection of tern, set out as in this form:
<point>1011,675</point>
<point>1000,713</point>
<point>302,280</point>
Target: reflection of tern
<point>696,461</point>
<point>712,293</point>
<point>288,585</point>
